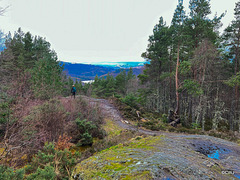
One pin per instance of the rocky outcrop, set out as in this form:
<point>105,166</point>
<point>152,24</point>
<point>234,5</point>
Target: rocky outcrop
<point>164,157</point>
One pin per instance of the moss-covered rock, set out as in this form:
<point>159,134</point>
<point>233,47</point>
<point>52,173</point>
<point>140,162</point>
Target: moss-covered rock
<point>118,161</point>
<point>150,158</point>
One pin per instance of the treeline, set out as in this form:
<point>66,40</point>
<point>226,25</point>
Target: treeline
<point>30,68</point>
<point>110,86</point>
<point>193,70</point>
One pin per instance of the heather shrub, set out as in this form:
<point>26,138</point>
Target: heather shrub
<point>86,120</point>
<point>51,163</point>
<point>7,173</point>
<point>47,173</point>
<point>85,129</point>
<point>28,133</point>
<point>34,126</point>
<point>45,123</point>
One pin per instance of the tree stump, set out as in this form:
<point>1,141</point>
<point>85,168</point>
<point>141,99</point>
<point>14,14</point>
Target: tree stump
<point>173,118</point>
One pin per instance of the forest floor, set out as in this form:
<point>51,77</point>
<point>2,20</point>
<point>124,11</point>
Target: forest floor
<point>161,155</point>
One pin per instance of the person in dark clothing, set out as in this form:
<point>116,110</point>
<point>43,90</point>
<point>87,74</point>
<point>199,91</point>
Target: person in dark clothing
<point>73,91</point>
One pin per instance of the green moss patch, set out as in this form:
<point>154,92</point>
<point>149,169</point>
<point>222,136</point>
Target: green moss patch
<point>118,161</point>
<point>111,128</point>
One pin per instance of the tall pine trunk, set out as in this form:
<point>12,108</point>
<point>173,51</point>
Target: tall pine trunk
<point>177,81</point>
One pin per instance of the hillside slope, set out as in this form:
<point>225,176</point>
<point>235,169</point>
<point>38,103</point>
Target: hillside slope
<point>163,156</point>
<point>85,71</point>
<point>89,71</point>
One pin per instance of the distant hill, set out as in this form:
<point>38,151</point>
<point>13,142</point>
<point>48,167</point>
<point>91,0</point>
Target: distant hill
<point>118,65</point>
<point>85,71</point>
<point>89,71</point>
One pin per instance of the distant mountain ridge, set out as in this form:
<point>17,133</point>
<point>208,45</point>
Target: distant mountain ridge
<point>118,65</point>
<point>89,71</point>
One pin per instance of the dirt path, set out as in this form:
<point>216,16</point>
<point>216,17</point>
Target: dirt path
<point>109,110</point>
<point>112,112</point>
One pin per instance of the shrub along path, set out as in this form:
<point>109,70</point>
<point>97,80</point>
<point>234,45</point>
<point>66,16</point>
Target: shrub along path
<point>168,155</point>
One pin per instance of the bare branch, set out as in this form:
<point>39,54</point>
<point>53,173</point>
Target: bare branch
<point>3,10</point>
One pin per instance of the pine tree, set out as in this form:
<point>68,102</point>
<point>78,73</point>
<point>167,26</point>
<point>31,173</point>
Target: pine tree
<point>177,30</point>
<point>110,86</point>
<point>158,55</point>
<point>199,26</point>
<point>121,80</point>
<point>46,78</point>
<point>28,50</point>
<point>130,74</point>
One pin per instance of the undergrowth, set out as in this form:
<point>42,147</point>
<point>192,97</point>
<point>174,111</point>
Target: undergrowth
<point>159,122</point>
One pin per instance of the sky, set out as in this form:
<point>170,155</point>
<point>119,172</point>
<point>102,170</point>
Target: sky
<point>97,30</point>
